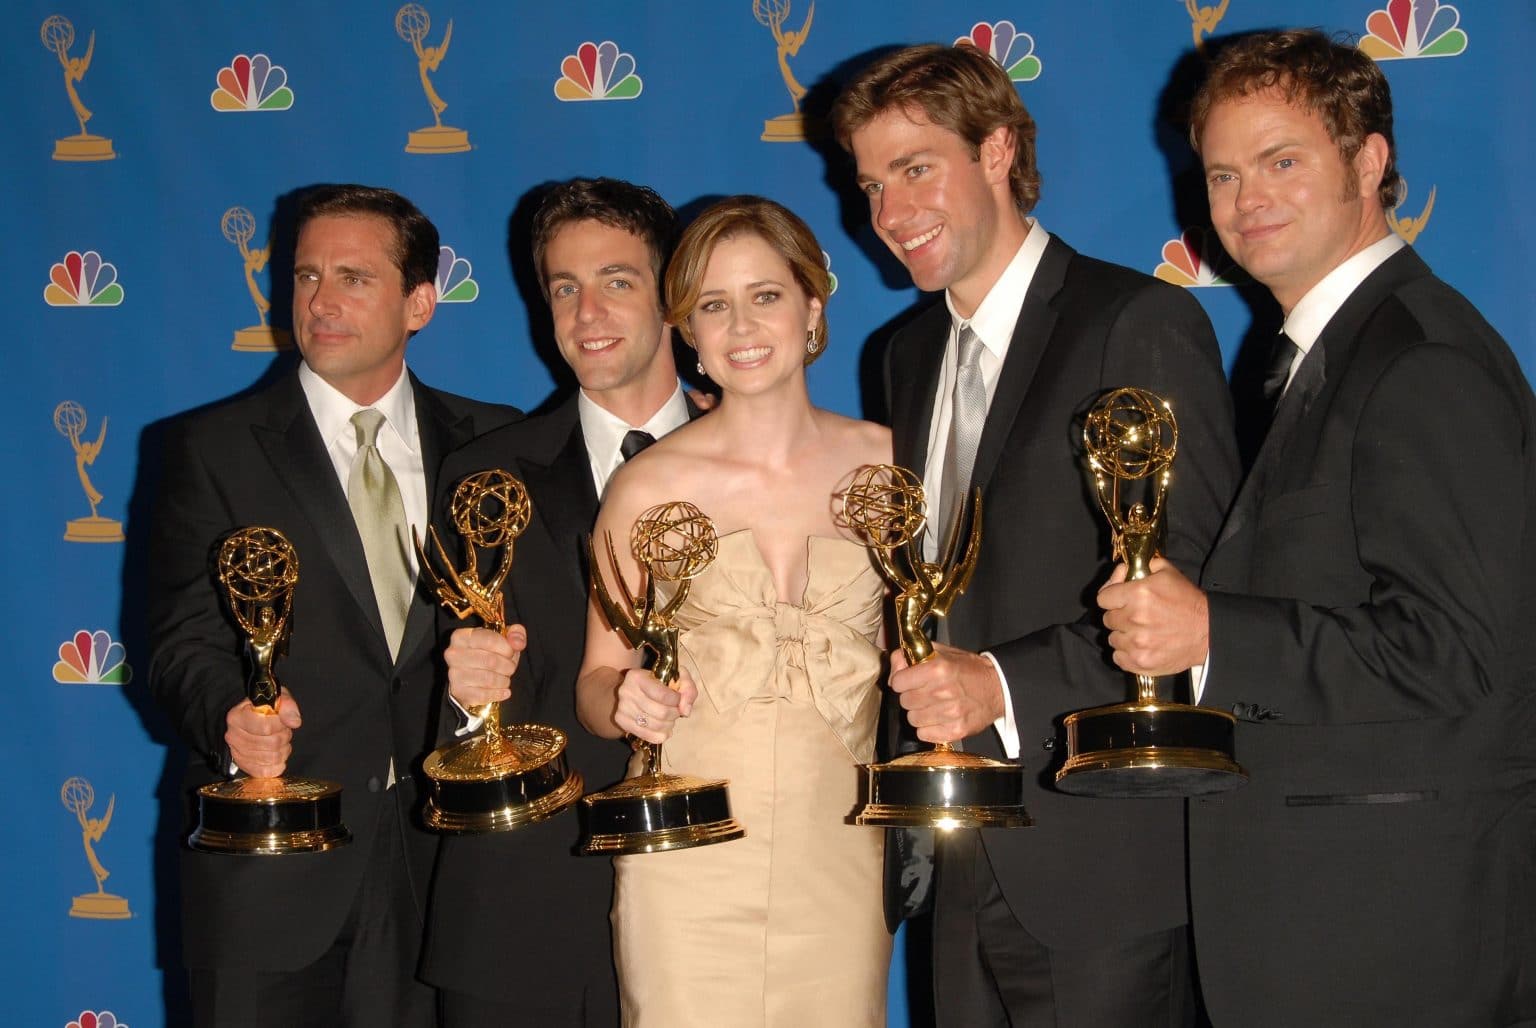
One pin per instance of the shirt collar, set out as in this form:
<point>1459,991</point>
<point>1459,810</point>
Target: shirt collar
<point>998,314</point>
<point>604,431</point>
<point>1313,311</point>
<point>333,410</point>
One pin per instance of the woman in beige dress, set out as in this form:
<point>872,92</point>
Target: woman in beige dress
<point>781,660</point>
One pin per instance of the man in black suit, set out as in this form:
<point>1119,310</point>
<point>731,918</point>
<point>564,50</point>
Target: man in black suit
<point>1081,918</point>
<point>518,929</point>
<point>331,937</point>
<point>1367,610</point>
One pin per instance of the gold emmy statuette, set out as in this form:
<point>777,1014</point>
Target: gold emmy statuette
<point>412,24</point>
<point>942,787</point>
<point>505,776</point>
<point>239,228</point>
<point>78,796</point>
<point>792,127</point>
<point>1149,746</point>
<point>69,419</point>
<point>58,36</point>
<point>655,811</point>
<point>265,816</point>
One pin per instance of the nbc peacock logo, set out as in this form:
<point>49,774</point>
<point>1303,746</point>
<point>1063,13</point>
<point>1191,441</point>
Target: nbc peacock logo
<point>1006,45</point>
<point>83,280</point>
<point>1413,28</point>
<point>93,1019</point>
<point>454,281</point>
<point>1195,260</point>
<point>598,71</point>
<point>251,84</point>
<point>826,260</point>
<point>92,658</point>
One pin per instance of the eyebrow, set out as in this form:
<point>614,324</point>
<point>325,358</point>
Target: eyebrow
<point>340,269</point>
<point>750,285</point>
<point>1264,155</point>
<point>897,163</point>
<point>607,269</point>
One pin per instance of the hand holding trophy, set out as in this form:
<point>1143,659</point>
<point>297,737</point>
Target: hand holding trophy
<point>942,787</point>
<point>268,816</point>
<point>505,776</point>
<point>1150,746</point>
<point>656,811</point>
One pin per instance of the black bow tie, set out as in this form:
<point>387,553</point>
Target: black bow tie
<point>635,441</point>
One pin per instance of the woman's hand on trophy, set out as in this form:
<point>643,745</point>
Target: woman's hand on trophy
<point>260,742</point>
<point>649,710</point>
<point>481,664</point>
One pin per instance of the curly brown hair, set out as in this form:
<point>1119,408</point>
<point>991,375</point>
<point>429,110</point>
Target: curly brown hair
<point>1328,77</point>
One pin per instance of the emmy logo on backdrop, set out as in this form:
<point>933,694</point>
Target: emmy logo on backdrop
<point>655,810</point>
<point>69,419</point>
<point>1407,226</point>
<point>943,787</point>
<point>505,776</point>
<point>1151,746</point>
<point>1203,20</point>
<point>58,36</point>
<point>412,24</point>
<point>239,227</point>
<point>78,798</point>
<point>792,127</point>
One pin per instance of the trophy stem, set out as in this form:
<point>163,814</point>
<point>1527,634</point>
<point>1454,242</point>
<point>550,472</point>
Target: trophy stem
<point>1146,689</point>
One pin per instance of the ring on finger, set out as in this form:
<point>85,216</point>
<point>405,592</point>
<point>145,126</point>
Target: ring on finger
<point>641,720</point>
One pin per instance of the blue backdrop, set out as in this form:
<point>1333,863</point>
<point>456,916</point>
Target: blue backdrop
<point>150,150</point>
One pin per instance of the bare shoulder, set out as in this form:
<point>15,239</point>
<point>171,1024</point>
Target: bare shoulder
<point>863,442</point>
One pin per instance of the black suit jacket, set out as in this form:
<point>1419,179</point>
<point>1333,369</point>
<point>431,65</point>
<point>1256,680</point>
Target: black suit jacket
<point>1090,870</point>
<point>516,915</point>
<point>1371,604</point>
<point>259,460</point>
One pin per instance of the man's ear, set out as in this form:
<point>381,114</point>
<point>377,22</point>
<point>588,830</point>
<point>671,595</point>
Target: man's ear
<point>1370,164</point>
<point>996,154</point>
<point>420,305</point>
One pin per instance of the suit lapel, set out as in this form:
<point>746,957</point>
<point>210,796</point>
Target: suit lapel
<point>1324,362</point>
<point>914,372</point>
<point>1037,320</point>
<point>441,432</point>
<point>292,444</point>
<point>561,480</point>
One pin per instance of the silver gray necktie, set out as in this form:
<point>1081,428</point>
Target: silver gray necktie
<point>374,496</point>
<point>968,412</point>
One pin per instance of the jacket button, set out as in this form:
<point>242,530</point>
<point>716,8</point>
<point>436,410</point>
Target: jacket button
<point>1049,744</point>
<point>374,785</point>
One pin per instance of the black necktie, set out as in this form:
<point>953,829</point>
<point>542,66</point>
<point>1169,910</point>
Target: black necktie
<point>635,441</point>
<point>1281,356</point>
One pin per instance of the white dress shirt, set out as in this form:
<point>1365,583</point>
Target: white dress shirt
<point>994,321</point>
<point>604,431</point>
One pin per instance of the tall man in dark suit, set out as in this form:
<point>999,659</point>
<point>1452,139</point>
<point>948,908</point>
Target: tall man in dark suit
<point>333,937</point>
<point>519,924</point>
<point>1082,917</point>
<point>1367,611</point>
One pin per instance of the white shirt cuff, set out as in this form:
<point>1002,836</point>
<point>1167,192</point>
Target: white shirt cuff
<point>1197,677</point>
<point>1007,728</point>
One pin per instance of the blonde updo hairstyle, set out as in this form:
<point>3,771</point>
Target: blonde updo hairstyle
<point>736,216</point>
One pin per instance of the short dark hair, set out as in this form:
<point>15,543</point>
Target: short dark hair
<point>1334,80</point>
<point>638,210</point>
<point>416,242</point>
<point>958,88</point>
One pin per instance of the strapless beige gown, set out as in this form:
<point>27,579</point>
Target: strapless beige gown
<point>783,927</point>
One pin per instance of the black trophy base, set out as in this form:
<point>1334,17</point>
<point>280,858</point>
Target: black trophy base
<point>495,783</point>
<point>944,788</point>
<point>269,817</point>
<point>655,812</point>
<point>1146,750</point>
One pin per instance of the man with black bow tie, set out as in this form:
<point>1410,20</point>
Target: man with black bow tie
<point>518,928</point>
<point>1366,611</point>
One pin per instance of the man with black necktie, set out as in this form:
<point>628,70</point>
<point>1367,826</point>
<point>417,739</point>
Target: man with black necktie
<point>340,456</point>
<point>1079,921</point>
<point>1366,612</point>
<point>518,930</point>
